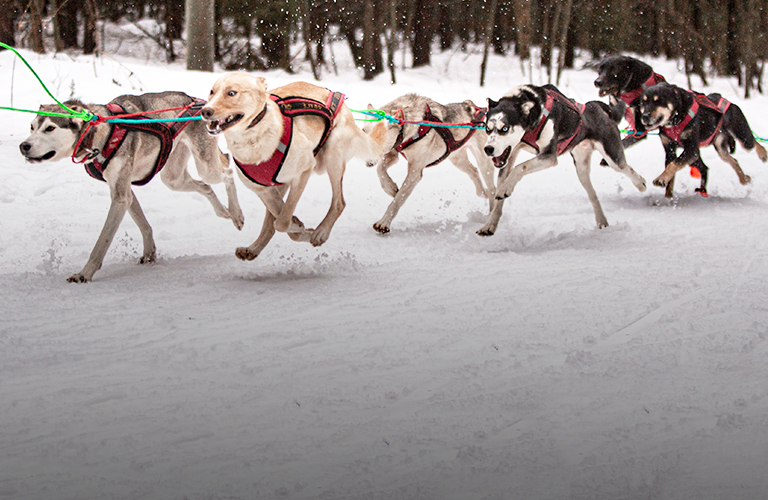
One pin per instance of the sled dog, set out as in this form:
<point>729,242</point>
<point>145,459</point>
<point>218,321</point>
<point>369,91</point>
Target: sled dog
<point>122,155</point>
<point>543,121</point>
<point>690,120</point>
<point>278,138</point>
<point>623,79</point>
<point>424,145</point>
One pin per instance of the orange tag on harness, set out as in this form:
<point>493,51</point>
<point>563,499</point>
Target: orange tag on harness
<point>695,173</point>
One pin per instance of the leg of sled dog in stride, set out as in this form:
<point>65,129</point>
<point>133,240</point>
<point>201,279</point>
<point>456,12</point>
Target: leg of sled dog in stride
<point>424,146</point>
<point>124,154</point>
<point>278,139</point>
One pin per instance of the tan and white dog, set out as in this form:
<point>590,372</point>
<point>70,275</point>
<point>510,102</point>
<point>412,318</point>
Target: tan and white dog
<point>255,127</point>
<point>424,146</point>
<point>135,160</point>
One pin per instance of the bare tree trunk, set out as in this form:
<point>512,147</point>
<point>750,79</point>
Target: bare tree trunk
<point>370,34</point>
<point>307,35</point>
<point>89,27</point>
<point>423,31</point>
<point>522,13</point>
<point>199,16</point>
<point>564,30</point>
<point>36,33</point>
<point>8,22</point>
<point>490,20</point>
<point>391,40</point>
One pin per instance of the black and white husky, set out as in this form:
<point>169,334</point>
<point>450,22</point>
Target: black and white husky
<point>543,121</point>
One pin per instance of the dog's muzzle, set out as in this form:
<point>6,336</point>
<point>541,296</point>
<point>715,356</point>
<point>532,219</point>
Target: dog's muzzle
<point>215,127</point>
<point>26,147</point>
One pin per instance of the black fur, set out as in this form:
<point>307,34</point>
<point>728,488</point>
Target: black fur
<point>619,75</point>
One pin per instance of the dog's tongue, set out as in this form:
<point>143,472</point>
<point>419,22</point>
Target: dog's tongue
<point>497,161</point>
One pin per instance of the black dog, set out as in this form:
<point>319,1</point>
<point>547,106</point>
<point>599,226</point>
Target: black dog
<point>691,121</point>
<point>623,79</point>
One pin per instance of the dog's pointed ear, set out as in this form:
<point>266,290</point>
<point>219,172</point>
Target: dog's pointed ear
<point>262,83</point>
<point>531,113</point>
<point>370,106</point>
<point>492,103</point>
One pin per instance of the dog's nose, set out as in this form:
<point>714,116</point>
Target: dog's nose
<point>598,82</point>
<point>488,150</point>
<point>206,113</point>
<point>24,147</point>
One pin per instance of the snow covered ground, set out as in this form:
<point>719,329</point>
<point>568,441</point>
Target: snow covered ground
<point>550,361</point>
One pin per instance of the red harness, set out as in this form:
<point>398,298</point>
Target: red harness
<point>265,173</point>
<point>532,136</point>
<point>451,144</point>
<point>99,159</point>
<point>629,97</point>
<point>674,132</point>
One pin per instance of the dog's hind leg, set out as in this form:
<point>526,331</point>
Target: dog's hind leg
<point>335,169</point>
<point>387,184</point>
<point>461,161</point>
<point>134,209</point>
<point>613,154</point>
<point>176,176</point>
<point>722,151</point>
<point>581,155</point>
<point>413,177</point>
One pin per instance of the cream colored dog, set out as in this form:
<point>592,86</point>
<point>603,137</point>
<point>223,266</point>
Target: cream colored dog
<point>255,128</point>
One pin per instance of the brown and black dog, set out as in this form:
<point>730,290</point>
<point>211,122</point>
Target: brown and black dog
<point>690,120</point>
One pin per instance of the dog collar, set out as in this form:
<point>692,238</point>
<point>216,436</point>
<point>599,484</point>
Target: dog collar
<point>259,117</point>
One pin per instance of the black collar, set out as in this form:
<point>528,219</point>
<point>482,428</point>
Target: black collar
<point>259,117</point>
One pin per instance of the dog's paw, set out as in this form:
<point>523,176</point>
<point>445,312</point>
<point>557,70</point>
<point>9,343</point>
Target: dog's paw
<point>602,223</point>
<point>484,231</point>
<point>78,278</point>
<point>238,219</point>
<point>640,185</point>
<point>147,258</point>
<point>660,181</point>
<point>603,163</point>
<point>243,253</point>
<point>381,228</point>
<point>319,236</point>
<point>745,180</point>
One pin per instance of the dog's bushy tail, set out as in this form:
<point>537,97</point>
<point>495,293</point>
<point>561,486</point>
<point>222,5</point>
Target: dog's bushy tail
<point>615,112</point>
<point>369,147</point>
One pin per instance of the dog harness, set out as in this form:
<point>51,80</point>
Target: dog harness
<point>532,136</point>
<point>99,159</point>
<point>265,173</point>
<point>629,98</point>
<point>451,144</point>
<point>674,132</point>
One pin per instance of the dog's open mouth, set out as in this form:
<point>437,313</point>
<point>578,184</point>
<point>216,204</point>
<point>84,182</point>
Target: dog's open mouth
<point>501,160</point>
<point>604,91</point>
<point>219,126</point>
<point>39,159</point>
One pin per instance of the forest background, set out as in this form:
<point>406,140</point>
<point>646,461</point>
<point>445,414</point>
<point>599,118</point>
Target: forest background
<point>710,37</point>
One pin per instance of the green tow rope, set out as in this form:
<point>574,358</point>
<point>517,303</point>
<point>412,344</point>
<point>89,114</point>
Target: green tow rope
<point>83,115</point>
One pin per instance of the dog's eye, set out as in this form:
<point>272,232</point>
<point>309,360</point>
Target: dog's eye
<point>488,130</point>
<point>211,92</point>
<point>505,129</point>
<point>231,93</point>
<point>49,128</point>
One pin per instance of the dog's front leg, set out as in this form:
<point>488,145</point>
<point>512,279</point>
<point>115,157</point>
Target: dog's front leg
<point>134,209</point>
<point>689,155</point>
<point>122,198</point>
<point>267,231</point>
<point>285,221</point>
<point>535,164</point>
<point>489,228</point>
